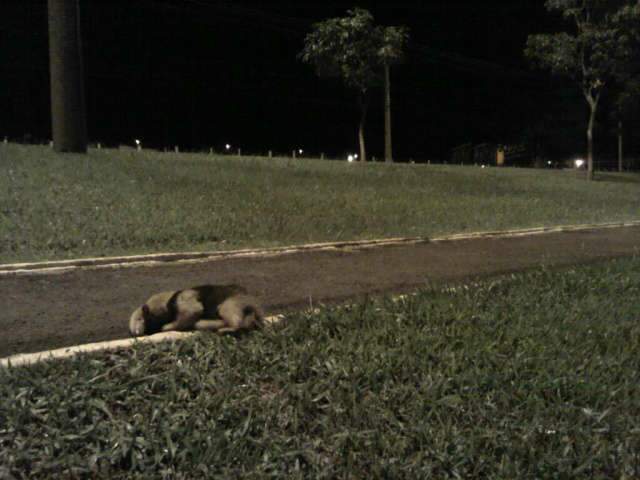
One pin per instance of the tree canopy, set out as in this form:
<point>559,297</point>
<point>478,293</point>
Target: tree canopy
<point>351,48</point>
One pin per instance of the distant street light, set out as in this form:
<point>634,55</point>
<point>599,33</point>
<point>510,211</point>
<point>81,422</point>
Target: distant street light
<point>350,158</point>
<point>227,147</point>
<point>579,162</point>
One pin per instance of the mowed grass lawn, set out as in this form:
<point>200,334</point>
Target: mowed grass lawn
<point>110,202</point>
<point>533,375</point>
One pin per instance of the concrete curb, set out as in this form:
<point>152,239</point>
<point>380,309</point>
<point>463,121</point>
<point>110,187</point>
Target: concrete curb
<point>62,266</point>
<point>22,359</point>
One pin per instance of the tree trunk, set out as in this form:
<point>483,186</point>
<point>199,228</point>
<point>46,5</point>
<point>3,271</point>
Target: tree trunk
<point>620,156</point>
<point>363,116</point>
<point>590,151</point>
<point>68,111</point>
<point>388,155</point>
<point>593,106</point>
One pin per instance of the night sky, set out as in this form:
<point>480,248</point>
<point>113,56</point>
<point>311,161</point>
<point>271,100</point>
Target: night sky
<point>202,73</point>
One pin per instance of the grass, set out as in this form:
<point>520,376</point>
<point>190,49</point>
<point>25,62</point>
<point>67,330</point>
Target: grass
<point>532,375</point>
<point>123,202</point>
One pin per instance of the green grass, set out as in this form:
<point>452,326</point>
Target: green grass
<point>533,375</point>
<point>123,202</point>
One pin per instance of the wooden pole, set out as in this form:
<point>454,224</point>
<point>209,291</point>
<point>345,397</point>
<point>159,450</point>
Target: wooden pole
<point>388,155</point>
<point>68,111</point>
<point>620,155</point>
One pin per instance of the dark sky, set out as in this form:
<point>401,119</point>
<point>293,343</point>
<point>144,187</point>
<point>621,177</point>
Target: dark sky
<point>202,73</point>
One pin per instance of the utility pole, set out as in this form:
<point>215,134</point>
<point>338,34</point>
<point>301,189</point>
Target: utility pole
<point>388,155</point>
<point>620,156</point>
<point>68,110</point>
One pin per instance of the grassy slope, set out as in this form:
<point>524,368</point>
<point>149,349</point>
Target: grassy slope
<point>532,375</point>
<point>113,202</point>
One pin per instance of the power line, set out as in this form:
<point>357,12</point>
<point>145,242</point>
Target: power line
<point>232,13</point>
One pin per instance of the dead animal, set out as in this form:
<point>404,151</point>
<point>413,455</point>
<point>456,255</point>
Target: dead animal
<point>218,308</point>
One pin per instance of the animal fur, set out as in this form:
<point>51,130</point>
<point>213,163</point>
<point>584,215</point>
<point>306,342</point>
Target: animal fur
<point>219,308</point>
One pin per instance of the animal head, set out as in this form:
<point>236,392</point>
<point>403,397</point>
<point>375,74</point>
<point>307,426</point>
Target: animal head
<point>137,321</point>
<point>144,322</point>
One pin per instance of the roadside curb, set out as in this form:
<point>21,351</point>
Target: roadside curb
<point>21,359</point>
<point>62,266</point>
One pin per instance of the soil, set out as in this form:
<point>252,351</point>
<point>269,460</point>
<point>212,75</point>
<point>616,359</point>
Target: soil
<point>45,311</point>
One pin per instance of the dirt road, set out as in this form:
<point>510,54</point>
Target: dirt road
<point>87,305</point>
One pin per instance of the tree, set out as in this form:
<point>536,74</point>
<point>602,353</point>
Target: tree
<point>68,116</point>
<point>354,49</point>
<point>627,80</point>
<point>593,54</point>
<point>391,52</point>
